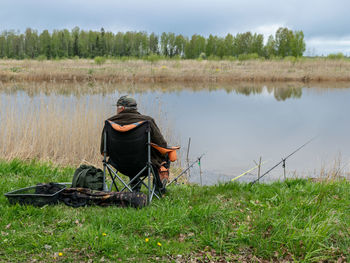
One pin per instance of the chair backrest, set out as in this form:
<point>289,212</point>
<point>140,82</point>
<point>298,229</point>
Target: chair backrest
<point>126,146</point>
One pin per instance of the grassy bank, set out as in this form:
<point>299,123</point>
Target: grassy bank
<point>293,221</point>
<point>180,71</point>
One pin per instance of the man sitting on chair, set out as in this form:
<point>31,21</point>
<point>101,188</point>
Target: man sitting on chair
<point>127,114</point>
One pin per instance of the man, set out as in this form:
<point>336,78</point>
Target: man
<point>126,114</point>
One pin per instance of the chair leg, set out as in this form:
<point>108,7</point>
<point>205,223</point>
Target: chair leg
<point>105,187</point>
<point>135,177</point>
<point>110,171</point>
<point>152,191</point>
<point>149,183</point>
<point>156,180</point>
<point>113,181</point>
<point>120,179</point>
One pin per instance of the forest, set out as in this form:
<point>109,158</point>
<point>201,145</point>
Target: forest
<point>79,43</point>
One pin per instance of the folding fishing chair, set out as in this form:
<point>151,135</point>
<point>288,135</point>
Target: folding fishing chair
<point>129,150</point>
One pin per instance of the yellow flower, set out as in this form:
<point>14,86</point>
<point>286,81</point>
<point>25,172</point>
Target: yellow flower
<point>159,244</point>
<point>217,69</point>
<point>60,254</point>
<point>104,234</point>
<point>146,239</point>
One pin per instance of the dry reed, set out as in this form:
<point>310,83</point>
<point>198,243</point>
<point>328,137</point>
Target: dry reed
<point>172,71</point>
<point>48,131</point>
<point>60,129</point>
<point>337,170</point>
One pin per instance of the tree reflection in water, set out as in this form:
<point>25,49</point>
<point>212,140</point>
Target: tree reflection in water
<point>280,91</point>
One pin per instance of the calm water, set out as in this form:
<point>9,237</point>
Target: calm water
<point>235,126</point>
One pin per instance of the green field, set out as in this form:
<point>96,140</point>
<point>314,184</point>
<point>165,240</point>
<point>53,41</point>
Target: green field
<point>296,220</point>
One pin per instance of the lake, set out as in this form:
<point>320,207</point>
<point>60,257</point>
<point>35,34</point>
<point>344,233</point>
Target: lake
<point>232,125</point>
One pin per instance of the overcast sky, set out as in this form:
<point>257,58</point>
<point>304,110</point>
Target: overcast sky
<point>325,23</point>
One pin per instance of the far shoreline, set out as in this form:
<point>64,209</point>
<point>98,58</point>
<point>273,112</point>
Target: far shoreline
<point>133,71</point>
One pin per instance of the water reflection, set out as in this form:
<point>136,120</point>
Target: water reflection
<point>233,125</point>
<point>280,91</point>
<point>286,93</point>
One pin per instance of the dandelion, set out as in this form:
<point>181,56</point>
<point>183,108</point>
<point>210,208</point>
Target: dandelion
<point>60,254</point>
<point>104,234</point>
<point>146,240</point>
<point>159,244</point>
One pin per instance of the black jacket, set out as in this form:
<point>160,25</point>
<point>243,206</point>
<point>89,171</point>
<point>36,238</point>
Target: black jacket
<point>131,116</point>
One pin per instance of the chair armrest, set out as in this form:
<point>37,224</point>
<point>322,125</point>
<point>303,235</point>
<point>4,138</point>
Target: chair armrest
<point>171,151</point>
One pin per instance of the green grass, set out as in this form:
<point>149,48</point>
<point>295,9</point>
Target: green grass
<point>296,220</point>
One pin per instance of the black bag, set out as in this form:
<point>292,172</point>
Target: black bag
<point>88,177</point>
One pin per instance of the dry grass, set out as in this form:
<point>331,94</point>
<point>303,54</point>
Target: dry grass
<point>337,170</point>
<point>172,71</point>
<point>47,130</point>
<point>60,129</point>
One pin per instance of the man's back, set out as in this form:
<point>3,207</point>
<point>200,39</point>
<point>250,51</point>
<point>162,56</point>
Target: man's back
<point>128,116</point>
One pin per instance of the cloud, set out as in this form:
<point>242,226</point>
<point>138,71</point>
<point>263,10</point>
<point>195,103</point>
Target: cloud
<point>325,46</point>
<point>318,19</point>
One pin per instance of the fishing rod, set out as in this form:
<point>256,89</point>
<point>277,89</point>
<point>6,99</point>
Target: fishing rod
<point>248,171</point>
<point>283,161</point>
<point>184,171</point>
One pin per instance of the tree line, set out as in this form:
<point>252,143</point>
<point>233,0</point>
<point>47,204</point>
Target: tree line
<point>90,44</point>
